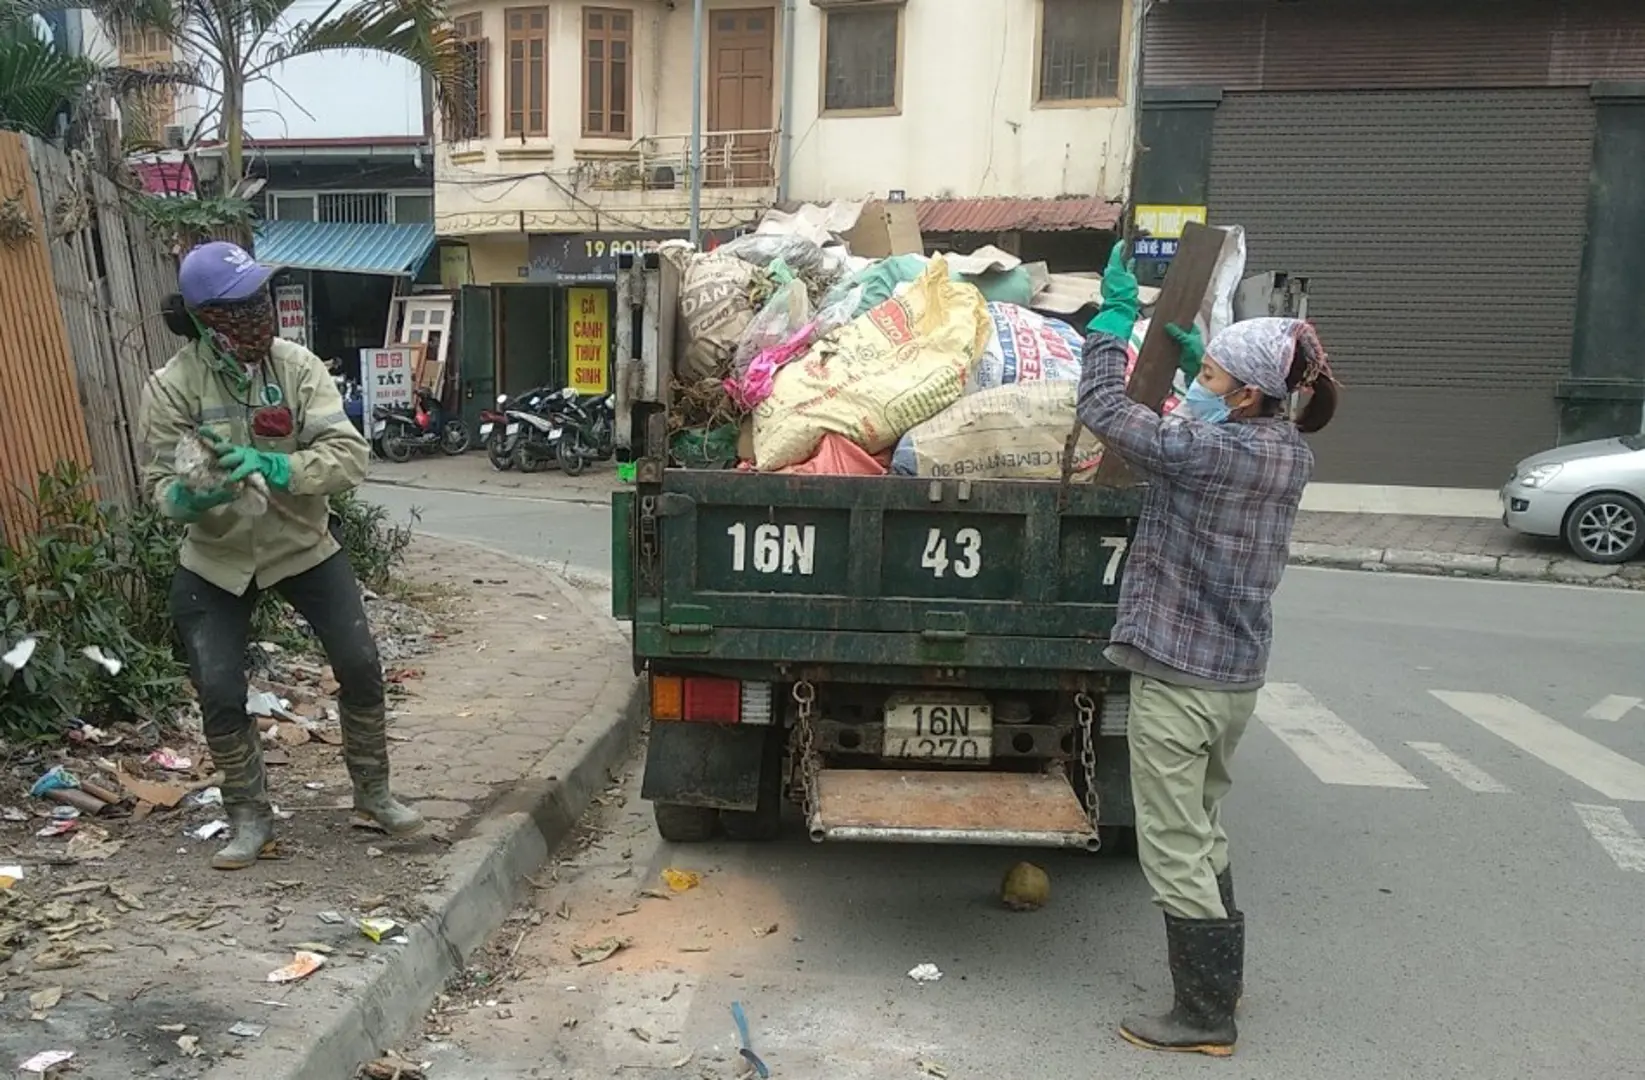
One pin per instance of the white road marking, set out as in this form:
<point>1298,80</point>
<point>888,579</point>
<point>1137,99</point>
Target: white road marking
<point>1460,769</point>
<point>1613,708</point>
<point>1332,750</point>
<point>1577,756</point>
<point>1619,838</point>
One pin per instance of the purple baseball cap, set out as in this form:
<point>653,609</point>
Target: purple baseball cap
<point>220,271</point>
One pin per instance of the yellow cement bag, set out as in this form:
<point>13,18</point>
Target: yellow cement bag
<point>893,367</point>
<point>1012,432</point>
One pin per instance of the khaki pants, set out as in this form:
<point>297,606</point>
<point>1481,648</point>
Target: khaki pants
<point>1181,741</point>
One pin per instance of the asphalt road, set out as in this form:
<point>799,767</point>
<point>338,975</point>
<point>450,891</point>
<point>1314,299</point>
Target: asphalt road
<point>1436,832</point>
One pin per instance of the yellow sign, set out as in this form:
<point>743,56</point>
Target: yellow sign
<point>1166,222</point>
<point>588,333</point>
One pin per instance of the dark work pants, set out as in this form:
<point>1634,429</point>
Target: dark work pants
<point>215,626</point>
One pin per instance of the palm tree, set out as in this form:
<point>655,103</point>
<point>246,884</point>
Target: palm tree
<point>232,44</point>
<point>39,82</point>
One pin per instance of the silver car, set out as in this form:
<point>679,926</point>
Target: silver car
<point>1591,494</point>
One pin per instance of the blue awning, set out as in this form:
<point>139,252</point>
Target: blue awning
<point>394,250</point>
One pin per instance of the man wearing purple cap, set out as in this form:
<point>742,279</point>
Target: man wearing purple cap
<point>271,410</point>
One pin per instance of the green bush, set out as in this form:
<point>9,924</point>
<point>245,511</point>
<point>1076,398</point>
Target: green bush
<point>97,575</point>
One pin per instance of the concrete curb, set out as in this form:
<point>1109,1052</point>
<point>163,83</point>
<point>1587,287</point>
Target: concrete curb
<point>580,498</point>
<point>1552,569</point>
<point>378,1005</point>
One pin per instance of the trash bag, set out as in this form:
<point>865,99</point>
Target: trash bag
<point>837,456</point>
<point>881,374</point>
<point>1027,347</point>
<point>705,448</point>
<point>715,310</point>
<point>1013,432</point>
<point>754,384</point>
<point>762,249</point>
<point>782,317</point>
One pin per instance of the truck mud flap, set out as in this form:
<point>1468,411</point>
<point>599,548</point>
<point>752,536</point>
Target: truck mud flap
<point>986,808</point>
<point>709,765</point>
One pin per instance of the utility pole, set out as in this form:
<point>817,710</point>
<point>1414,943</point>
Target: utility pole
<point>696,124</point>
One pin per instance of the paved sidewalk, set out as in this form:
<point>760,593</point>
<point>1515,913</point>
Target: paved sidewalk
<point>146,963</point>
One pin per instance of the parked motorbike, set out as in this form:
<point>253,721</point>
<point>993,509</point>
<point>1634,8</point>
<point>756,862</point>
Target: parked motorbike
<point>494,434</point>
<point>405,433</point>
<point>551,430</point>
<point>600,436</point>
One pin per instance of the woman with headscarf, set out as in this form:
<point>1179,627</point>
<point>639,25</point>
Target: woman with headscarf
<point>271,413</point>
<point>1225,474</point>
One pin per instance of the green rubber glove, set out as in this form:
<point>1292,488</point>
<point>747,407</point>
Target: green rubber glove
<point>186,504</point>
<point>242,461</point>
<point>1192,345</point>
<point>1119,297</point>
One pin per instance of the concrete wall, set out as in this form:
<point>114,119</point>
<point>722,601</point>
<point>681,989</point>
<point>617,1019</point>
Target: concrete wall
<point>967,123</point>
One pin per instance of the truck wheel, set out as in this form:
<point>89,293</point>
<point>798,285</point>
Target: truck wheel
<point>685,824</point>
<point>1118,841</point>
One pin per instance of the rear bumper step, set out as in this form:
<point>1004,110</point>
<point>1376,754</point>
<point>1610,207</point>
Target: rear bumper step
<point>985,808</point>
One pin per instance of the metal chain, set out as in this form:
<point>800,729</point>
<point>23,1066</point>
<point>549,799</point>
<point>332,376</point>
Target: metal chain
<point>1087,710</point>
<point>805,696</point>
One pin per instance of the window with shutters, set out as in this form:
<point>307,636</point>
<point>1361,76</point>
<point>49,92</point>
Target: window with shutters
<point>608,72</point>
<point>860,58</point>
<point>146,113</point>
<point>525,37</point>
<point>468,110</point>
<point>1082,46</point>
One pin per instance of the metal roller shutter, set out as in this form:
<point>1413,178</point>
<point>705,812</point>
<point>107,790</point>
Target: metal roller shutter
<point>1443,231</point>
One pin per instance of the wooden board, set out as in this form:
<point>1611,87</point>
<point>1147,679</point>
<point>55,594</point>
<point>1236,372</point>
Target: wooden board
<point>1180,298</point>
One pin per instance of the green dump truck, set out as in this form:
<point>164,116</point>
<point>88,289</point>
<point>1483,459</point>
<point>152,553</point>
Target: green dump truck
<point>904,659</point>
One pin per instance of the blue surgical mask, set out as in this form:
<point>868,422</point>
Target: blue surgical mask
<point>1203,403</point>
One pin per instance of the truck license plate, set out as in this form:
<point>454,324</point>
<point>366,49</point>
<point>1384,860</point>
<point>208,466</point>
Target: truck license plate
<point>941,731</point>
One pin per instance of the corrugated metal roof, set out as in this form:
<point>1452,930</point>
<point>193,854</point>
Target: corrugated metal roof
<point>1008,215</point>
<point>394,250</point>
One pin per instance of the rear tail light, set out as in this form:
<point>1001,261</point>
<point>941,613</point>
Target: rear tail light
<point>714,701</point>
<point>710,701</point>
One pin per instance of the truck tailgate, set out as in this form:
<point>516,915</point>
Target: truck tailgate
<point>897,571</point>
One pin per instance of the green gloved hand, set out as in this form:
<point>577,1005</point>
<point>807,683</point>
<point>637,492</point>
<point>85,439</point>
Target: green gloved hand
<point>1192,345</point>
<point>186,504</point>
<point>242,461</point>
<point>1119,297</point>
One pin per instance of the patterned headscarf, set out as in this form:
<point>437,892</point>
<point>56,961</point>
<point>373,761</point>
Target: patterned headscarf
<point>1259,353</point>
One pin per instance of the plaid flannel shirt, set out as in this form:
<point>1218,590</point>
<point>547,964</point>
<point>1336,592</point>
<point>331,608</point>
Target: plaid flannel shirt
<point>1215,530</point>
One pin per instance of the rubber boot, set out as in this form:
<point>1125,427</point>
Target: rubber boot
<point>1225,886</point>
<point>1207,958</point>
<point>365,752</point>
<point>245,798</point>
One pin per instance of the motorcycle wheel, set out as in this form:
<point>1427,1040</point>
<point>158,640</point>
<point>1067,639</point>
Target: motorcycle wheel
<point>572,461</point>
<point>500,457</point>
<point>454,438</point>
<point>398,450</point>
<point>526,461</point>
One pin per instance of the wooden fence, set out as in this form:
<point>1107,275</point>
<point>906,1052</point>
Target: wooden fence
<point>81,283</point>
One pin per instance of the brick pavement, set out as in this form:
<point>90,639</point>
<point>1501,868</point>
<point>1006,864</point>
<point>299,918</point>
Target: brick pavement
<point>1463,536</point>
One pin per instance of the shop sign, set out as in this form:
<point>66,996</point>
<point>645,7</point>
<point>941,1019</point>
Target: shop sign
<point>387,377</point>
<point>292,310</point>
<point>589,339</point>
<point>574,258</point>
<point>1162,226</point>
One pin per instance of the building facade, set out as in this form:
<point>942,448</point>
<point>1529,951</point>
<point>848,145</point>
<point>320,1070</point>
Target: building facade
<point>1005,121</point>
<point>1458,182</point>
<point>163,117</point>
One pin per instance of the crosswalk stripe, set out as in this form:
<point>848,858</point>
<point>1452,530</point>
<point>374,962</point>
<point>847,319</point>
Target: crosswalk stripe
<point>1614,833</point>
<point>1458,768</point>
<point>1577,756</point>
<point>1613,708</point>
<point>1332,750</point>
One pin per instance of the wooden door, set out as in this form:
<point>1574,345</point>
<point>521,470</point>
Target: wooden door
<point>741,63</point>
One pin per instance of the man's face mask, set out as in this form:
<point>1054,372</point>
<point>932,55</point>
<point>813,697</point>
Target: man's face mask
<point>241,329</point>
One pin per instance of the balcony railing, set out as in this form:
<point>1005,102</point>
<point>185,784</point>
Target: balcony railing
<point>731,159</point>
